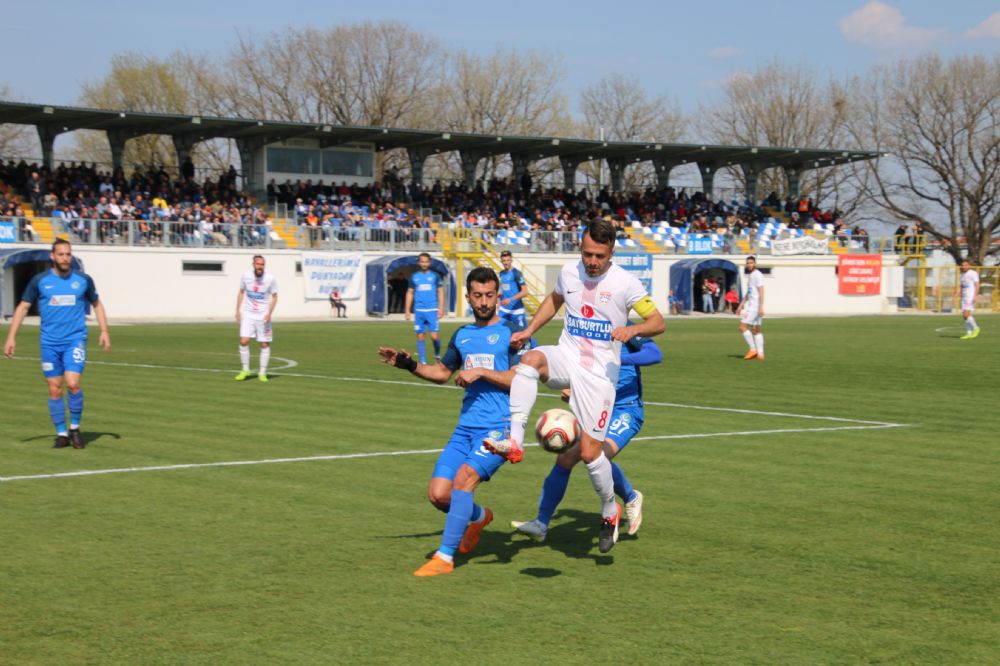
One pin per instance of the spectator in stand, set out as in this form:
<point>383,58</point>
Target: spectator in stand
<point>337,304</point>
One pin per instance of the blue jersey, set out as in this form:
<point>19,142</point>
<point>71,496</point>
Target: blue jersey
<point>511,282</point>
<point>62,304</point>
<point>425,290</point>
<point>485,404</point>
<point>629,388</point>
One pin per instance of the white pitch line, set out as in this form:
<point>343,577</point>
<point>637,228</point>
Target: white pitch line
<point>763,413</point>
<point>381,454</point>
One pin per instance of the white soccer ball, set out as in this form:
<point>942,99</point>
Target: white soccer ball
<point>557,430</point>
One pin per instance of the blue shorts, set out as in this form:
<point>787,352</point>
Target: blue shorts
<point>63,357</point>
<point>425,322</point>
<point>626,422</point>
<point>466,447</point>
<point>519,319</point>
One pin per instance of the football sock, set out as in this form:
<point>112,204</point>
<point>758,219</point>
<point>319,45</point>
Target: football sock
<point>523,392</point>
<point>265,358</point>
<point>422,351</point>
<point>758,339</point>
<point>970,324</point>
<point>245,357</point>
<point>748,336</point>
<point>477,514</point>
<point>623,487</point>
<point>447,557</point>
<point>604,485</point>
<point>75,401</point>
<point>456,522</point>
<point>553,490</point>
<point>437,347</point>
<point>57,410</point>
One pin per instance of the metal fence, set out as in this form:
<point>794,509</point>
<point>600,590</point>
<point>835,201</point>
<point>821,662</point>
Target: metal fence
<point>935,288</point>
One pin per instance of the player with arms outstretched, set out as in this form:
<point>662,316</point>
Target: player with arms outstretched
<point>482,355</point>
<point>62,295</point>
<point>598,296</point>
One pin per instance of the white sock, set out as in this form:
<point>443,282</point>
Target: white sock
<point>970,324</point>
<point>748,336</point>
<point>523,392</point>
<point>245,357</point>
<point>758,339</point>
<point>265,358</point>
<point>446,558</point>
<point>600,476</point>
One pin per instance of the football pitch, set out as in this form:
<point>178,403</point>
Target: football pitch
<point>835,504</point>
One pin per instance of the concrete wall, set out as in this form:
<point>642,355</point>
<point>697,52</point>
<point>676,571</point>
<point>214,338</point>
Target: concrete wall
<point>146,283</point>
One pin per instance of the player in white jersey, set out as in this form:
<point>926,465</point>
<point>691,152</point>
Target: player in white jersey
<point>598,296</point>
<point>254,306</point>
<point>968,291</point>
<point>751,311</point>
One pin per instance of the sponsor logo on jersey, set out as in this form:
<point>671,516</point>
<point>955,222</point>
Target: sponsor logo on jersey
<point>479,361</point>
<point>423,287</point>
<point>63,300</point>
<point>587,311</point>
<point>592,329</point>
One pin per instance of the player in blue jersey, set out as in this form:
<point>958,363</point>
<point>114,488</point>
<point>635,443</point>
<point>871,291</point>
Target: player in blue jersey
<point>482,355</point>
<point>62,295</point>
<point>512,290</point>
<point>425,303</point>
<point>627,417</point>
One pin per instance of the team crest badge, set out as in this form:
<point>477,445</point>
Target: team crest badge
<point>604,296</point>
<point>493,339</point>
<point>74,284</point>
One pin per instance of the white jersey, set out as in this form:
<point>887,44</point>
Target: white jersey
<point>755,282</point>
<point>595,307</point>
<point>969,281</point>
<point>257,293</point>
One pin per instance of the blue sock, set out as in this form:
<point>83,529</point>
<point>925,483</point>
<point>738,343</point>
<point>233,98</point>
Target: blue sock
<point>457,521</point>
<point>422,351</point>
<point>553,491</point>
<point>477,513</point>
<point>57,410</point>
<point>75,401</point>
<point>623,487</point>
<point>437,348</point>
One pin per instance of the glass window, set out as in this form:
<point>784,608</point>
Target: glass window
<point>347,163</point>
<point>293,160</point>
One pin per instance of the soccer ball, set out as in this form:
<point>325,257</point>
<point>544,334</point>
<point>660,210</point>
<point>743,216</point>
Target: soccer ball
<point>557,430</point>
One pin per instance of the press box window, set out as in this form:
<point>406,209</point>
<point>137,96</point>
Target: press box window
<point>203,267</point>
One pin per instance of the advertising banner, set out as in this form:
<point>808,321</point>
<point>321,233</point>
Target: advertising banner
<point>638,263</point>
<point>859,274</point>
<point>802,245</point>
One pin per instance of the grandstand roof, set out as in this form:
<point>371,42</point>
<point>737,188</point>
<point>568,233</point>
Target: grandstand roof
<point>127,124</point>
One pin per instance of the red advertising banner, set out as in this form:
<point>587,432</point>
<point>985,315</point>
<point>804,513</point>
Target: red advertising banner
<point>859,274</point>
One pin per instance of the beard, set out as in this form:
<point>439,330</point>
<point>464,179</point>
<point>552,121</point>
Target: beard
<point>479,317</point>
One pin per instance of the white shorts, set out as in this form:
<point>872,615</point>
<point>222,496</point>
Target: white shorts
<point>750,317</point>
<point>592,397</point>
<point>258,329</point>
<point>969,305</point>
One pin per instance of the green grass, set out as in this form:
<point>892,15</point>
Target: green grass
<point>798,547</point>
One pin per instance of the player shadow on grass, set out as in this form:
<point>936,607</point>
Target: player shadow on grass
<point>88,437</point>
<point>576,538</point>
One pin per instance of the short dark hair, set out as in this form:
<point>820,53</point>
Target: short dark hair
<point>57,242</point>
<point>601,231</point>
<point>256,257</point>
<point>506,253</point>
<point>424,254</point>
<point>482,275</point>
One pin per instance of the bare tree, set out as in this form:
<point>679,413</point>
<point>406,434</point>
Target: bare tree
<point>620,106</point>
<point>781,106</point>
<point>937,124</point>
<point>16,140</point>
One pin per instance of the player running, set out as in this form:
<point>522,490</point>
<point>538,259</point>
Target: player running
<point>626,421</point>
<point>513,289</point>
<point>62,295</point>
<point>425,304</point>
<point>968,285</point>
<point>752,309</point>
<point>598,296</point>
<point>255,304</point>
<point>482,354</point>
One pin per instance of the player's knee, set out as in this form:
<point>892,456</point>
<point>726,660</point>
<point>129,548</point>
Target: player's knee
<point>440,498</point>
<point>265,345</point>
<point>530,365</point>
<point>467,479</point>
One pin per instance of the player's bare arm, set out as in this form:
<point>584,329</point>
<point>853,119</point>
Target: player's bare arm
<point>496,377</point>
<point>652,322</point>
<point>270,310</point>
<point>20,312</point>
<point>438,373</point>
<point>760,297</point>
<point>441,312</point>
<point>408,305</point>
<point>239,305</point>
<point>546,311</point>
<point>102,321</point>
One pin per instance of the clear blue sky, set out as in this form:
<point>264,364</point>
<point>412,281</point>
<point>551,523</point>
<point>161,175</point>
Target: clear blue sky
<point>684,50</point>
